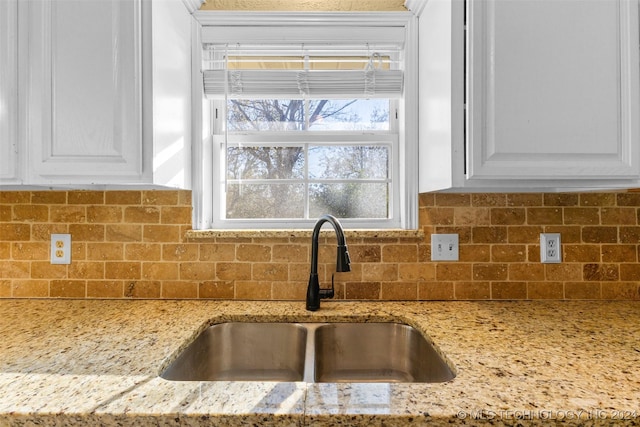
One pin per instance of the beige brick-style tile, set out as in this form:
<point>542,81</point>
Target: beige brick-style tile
<point>68,214</point>
<point>509,290</point>
<point>30,250</point>
<point>83,197</point>
<point>582,290</point>
<point>142,215</point>
<point>253,253</point>
<point>160,271</point>
<point>415,272</point>
<point>124,270</point>
<point>545,290</point>
<point>67,288</point>
<point>105,251</point>
<point>508,216</point>
<point>618,216</point>
<point>48,197</point>
<point>599,234</point>
<point>105,289</point>
<point>30,288</point>
<point>450,199</point>
<point>129,244</point>
<point>218,252</point>
<point>524,199</point>
<point>399,291</point>
<point>161,233</point>
<point>15,197</point>
<point>11,232</point>
<point>362,290</point>
<point>41,270</point>
<point>199,271</point>
<point>581,253</point>
<point>180,252</point>
<point>436,291</point>
<point>454,271</point>
<point>86,270</point>
<point>160,198</point>
<point>179,290</point>
<point>123,197</point>
<point>494,271</point>
<point>123,233</point>
<point>87,232</point>
<point>142,289</point>
<point>293,253</point>
<point>270,272</point>
<point>5,288</point>
<point>621,291</point>
<point>216,289</point>
<point>399,253</point>
<point>175,215</point>
<point>143,251</point>
<point>104,214</point>
<point>582,216</point>
<point>508,253</point>
<point>249,290</point>
<point>290,291</point>
<point>472,290</point>
<point>30,213</point>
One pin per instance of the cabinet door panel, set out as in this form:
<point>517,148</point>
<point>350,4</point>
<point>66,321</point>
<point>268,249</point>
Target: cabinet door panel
<point>553,89</point>
<point>8,91</point>
<point>85,91</point>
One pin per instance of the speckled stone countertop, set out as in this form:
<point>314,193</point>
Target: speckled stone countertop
<point>94,362</point>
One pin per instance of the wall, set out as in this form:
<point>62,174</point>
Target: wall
<point>138,244</point>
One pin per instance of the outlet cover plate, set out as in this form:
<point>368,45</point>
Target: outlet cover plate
<point>444,247</point>
<point>550,248</point>
<point>61,249</point>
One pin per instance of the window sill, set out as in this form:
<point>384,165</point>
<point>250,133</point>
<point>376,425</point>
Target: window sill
<point>204,235</point>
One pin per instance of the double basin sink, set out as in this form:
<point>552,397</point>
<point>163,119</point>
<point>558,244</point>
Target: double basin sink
<point>310,352</point>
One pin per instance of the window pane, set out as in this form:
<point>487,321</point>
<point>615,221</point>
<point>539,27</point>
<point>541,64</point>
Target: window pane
<point>349,162</point>
<point>265,201</point>
<point>265,162</point>
<point>265,115</point>
<point>349,115</point>
<point>349,200</point>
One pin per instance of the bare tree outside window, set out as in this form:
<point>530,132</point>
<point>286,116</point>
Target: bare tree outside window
<point>306,179</point>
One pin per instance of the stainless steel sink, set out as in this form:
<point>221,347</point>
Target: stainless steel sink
<point>311,352</point>
<point>243,352</point>
<point>376,352</point>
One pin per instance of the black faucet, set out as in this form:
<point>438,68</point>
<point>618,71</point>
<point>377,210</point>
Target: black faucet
<point>343,263</point>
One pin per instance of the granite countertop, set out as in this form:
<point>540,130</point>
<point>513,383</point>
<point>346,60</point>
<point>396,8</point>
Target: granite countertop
<point>518,363</point>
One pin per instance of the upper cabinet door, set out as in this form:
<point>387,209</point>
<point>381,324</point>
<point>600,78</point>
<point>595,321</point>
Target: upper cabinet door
<point>9,91</point>
<point>83,91</point>
<point>552,90</point>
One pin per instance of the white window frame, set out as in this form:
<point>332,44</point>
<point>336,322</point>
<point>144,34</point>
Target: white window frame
<point>304,26</point>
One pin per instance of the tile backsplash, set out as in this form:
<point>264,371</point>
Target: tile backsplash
<point>139,244</point>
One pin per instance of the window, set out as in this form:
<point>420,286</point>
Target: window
<point>300,129</point>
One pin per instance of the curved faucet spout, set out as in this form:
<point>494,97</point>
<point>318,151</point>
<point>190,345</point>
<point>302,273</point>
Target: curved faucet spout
<point>343,262</point>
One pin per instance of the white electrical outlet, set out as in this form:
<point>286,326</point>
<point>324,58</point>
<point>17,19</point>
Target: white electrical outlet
<point>61,249</point>
<point>444,247</point>
<point>550,249</point>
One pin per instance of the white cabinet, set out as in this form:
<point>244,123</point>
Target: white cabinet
<point>551,91</point>
<point>83,91</point>
<point>9,91</point>
<point>99,106</point>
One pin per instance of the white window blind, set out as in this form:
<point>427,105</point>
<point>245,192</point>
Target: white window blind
<point>366,83</point>
<point>299,70</point>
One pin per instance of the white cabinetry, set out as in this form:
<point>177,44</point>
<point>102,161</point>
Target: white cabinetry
<point>552,95</point>
<point>107,94</point>
<point>9,91</point>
